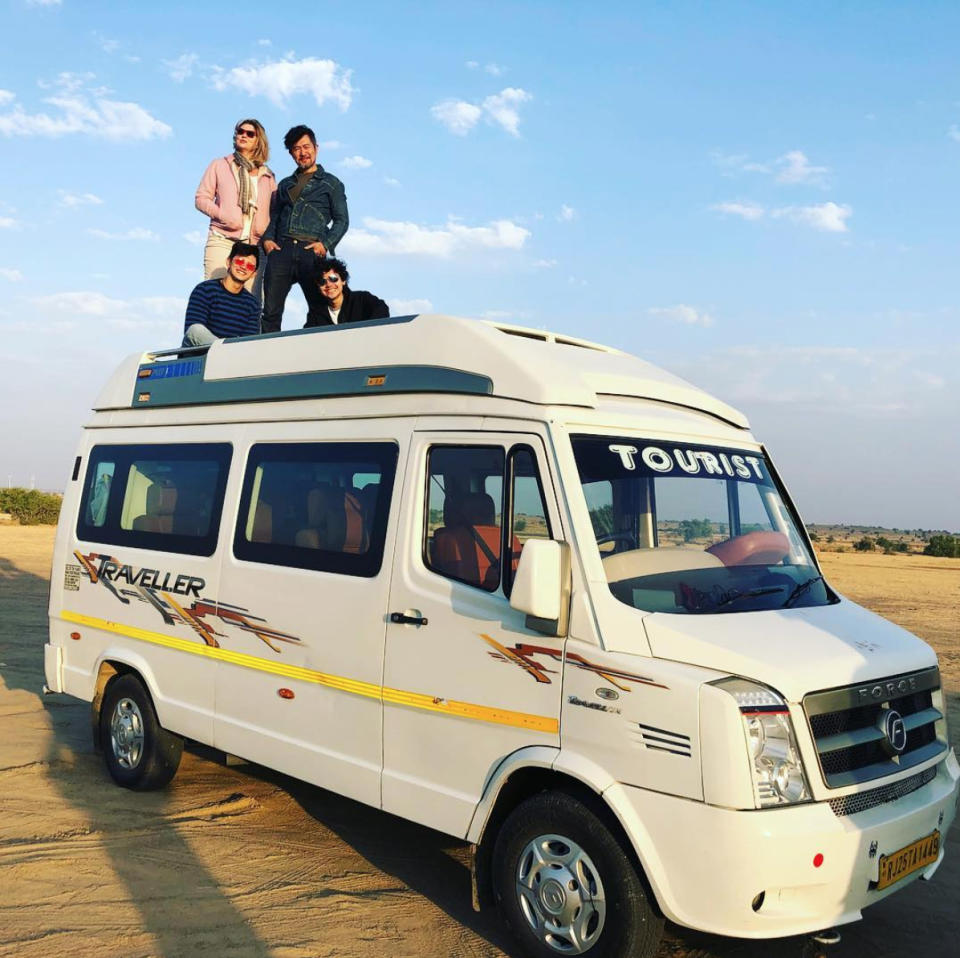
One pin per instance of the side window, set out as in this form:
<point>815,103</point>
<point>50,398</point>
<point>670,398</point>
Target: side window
<point>528,512</point>
<point>317,505</point>
<point>464,514</point>
<point>468,528</point>
<point>163,497</point>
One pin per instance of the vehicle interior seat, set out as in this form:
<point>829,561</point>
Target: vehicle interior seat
<point>161,504</point>
<point>334,521</point>
<point>468,545</point>
<point>261,529</point>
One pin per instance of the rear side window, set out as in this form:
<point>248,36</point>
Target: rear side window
<point>319,505</point>
<point>164,497</point>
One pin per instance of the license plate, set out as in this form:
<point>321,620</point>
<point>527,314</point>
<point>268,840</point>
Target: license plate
<point>919,854</point>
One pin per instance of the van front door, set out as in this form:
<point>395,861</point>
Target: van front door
<point>465,682</point>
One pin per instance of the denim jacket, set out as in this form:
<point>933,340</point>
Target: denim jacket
<point>320,211</point>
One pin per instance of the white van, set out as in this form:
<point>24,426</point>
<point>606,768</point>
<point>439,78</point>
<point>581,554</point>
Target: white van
<point>525,589</point>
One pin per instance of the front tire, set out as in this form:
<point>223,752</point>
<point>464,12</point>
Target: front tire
<point>140,753</point>
<point>565,886</point>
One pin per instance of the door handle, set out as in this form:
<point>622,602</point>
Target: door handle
<point>403,619</point>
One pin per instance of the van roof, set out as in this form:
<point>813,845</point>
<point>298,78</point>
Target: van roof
<point>425,354</point>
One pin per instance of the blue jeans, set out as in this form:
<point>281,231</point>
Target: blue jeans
<point>285,266</point>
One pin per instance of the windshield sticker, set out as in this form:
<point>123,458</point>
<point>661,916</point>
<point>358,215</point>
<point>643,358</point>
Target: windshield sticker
<point>157,589</point>
<point>690,460</point>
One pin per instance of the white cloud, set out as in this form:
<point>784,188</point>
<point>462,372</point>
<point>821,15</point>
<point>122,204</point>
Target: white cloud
<point>145,311</point>
<point>953,132</point>
<point>458,116</point>
<point>106,44</point>
<point>500,109</point>
<point>8,223</point>
<point>409,307</point>
<point>181,68</point>
<point>13,275</point>
<point>545,263</point>
<point>567,214</point>
<point>6,97</point>
<point>44,3</point>
<point>390,181</point>
<point>682,313</point>
<point>749,211</point>
<point>263,42</point>
<point>329,145</point>
<point>396,238</point>
<point>196,237</point>
<point>282,79</point>
<point>356,162</point>
<point>794,167</point>
<point>84,109</point>
<point>79,199</point>
<point>137,233</point>
<point>472,65</point>
<point>828,217</point>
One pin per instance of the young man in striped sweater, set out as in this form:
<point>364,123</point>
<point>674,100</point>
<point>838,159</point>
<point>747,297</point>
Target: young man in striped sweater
<point>219,308</point>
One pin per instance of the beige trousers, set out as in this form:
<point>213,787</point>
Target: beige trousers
<point>215,255</point>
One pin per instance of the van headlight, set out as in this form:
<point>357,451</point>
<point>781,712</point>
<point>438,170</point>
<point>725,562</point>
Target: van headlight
<point>778,775</point>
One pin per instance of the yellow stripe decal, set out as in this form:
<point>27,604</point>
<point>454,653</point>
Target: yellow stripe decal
<point>417,700</point>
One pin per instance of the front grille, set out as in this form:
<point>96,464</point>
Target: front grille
<point>861,801</point>
<point>847,726</point>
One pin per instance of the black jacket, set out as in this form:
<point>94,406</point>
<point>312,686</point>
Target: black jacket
<point>357,306</point>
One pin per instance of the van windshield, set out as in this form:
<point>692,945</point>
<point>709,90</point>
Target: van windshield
<point>693,529</point>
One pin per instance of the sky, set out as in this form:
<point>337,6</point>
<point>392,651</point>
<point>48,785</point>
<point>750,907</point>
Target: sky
<point>759,197</point>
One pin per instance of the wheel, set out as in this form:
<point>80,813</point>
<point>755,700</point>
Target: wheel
<point>565,886</point>
<point>139,753</point>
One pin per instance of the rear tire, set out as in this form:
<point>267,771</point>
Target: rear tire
<point>565,886</point>
<point>140,753</point>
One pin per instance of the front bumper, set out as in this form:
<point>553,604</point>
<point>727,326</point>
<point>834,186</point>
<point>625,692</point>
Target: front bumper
<point>708,865</point>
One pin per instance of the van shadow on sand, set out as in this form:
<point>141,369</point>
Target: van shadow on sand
<point>147,852</point>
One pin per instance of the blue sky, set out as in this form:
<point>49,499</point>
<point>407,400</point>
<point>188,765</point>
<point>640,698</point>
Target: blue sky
<point>759,197</point>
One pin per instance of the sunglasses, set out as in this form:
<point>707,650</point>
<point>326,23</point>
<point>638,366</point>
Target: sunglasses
<point>244,132</point>
<point>329,280</point>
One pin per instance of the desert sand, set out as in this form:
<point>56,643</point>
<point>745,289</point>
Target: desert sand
<point>239,861</point>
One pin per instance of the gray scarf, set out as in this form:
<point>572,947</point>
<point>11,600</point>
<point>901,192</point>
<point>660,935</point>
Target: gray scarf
<point>245,167</point>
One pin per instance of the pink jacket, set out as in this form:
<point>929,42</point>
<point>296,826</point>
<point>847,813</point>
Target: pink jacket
<point>219,197</point>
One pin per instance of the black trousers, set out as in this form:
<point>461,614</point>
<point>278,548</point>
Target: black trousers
<point>290,264</point>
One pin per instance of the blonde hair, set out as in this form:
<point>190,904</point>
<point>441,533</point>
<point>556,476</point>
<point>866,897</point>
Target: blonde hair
<point>261,152</point>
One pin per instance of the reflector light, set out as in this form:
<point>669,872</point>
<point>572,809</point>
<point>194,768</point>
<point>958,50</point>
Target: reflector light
<point>285,693</point>
<point>75,636</point>
<point>817,860</point>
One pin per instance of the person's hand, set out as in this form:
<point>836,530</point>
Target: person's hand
<point>270,246</point>
<point>317,248</point>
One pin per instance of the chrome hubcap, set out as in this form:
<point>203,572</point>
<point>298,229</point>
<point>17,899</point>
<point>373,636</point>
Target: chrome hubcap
<point>126,733</point>
<point>560,894</point>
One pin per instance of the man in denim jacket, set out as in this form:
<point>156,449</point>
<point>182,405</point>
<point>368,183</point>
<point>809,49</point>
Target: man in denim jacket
<point>309,219</point>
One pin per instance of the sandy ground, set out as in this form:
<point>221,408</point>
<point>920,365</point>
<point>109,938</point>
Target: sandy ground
<point>239,861</point>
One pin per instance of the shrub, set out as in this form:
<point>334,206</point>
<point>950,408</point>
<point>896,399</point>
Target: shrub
<point>946,546</point>
<point>866,544</point>
<point>30,507</point>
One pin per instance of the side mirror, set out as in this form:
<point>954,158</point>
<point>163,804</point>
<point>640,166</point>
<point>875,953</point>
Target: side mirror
<point>541,587</point>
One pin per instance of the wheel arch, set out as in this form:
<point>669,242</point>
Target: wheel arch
<point>532,771</point>
<point>111,665</point>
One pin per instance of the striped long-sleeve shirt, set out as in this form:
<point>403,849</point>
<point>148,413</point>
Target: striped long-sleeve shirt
<point>224,314</point>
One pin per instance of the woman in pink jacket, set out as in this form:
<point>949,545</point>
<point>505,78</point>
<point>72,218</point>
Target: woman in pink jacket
<point>236,193</point>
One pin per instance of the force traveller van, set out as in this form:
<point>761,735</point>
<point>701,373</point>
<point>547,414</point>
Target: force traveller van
<point>525,589</point>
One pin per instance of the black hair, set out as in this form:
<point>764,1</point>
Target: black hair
<point>245,249</point>
<point>331,263</point>
<point>296,133</point>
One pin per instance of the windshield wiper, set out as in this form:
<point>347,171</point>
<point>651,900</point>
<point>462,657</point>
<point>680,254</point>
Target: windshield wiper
<point>800,589</point>
<point>749,594</point>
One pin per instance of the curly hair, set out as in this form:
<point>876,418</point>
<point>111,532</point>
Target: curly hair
<point>338,266</point>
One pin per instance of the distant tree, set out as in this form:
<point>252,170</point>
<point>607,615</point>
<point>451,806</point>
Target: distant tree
<point>692,529</point>
<point>814,537</point>
<point>519,524</point>
<point>602,519</point>
<point>864,544</point>
<point>944,546</point>
<point>831,538</point>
